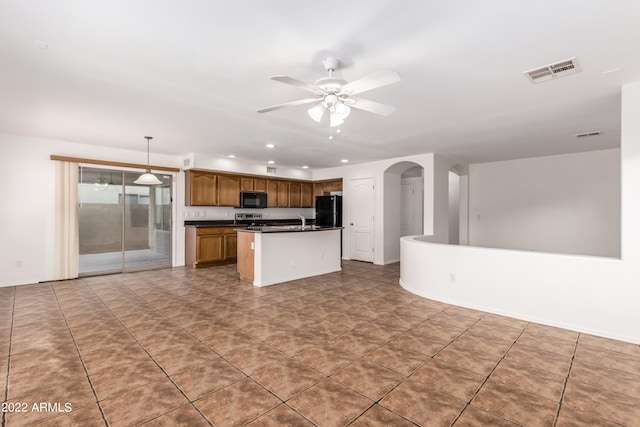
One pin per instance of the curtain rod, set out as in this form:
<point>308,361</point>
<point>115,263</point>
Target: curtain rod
<point>109,163</point>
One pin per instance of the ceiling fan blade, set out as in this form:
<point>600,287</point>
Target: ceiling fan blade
<point>298,83</point>
<point>289,104</point>
<point>372,81</point>
<point>370,106</point>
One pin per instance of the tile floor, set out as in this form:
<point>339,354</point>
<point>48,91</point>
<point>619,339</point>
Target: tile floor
<point>184,347</point>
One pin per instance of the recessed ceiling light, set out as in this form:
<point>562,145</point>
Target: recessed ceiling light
<point>344,161</point>
<point>271,146</point>
<point>305,167</point>
<point>231,156</point>
<point>271,162</point>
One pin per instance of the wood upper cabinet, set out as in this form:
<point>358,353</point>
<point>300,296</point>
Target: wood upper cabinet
<point>294,194</point>
<point>201,189</point>
<point>306,195</point>
<point>272,193</point>
<point>204,188</point>
<point>246,183</point>
<point>229,190</point>
<point>324,188</point>
<point>283,194</point>
<point>259,185</point>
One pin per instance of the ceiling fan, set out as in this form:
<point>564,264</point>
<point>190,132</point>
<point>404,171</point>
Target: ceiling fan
<point>335,95</point>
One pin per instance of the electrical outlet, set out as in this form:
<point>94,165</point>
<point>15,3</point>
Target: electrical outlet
<point>452,278</point>
<point>18,263</point>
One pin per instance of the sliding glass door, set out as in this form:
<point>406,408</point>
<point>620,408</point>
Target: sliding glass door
<point>123,226</point>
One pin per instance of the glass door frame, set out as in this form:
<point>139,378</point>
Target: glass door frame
<point>123,206</point>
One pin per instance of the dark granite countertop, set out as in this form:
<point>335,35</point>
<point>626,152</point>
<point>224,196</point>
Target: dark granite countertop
<point>286,229</point>
<point>230,223</point>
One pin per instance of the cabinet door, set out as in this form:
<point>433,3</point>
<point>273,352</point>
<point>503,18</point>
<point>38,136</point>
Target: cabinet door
<point>259,185</point>
<point>230,246</point>
<point>333,186</point>
<point>229,190</point>
<point>283,194</point>
<point>306,195</point>
<point>201,189</point>
<point>246,184</point>
<point>272,194</point>
<point>209,248</point>
<point>294,194</point>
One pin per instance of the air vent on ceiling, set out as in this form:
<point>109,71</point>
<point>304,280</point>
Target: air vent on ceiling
<point>586,134</point>
<point>271,169</point>
<point>553,71</point>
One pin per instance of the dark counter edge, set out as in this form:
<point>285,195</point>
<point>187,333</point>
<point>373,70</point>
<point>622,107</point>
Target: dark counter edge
<point>226,223</point>
<point>268,230</point>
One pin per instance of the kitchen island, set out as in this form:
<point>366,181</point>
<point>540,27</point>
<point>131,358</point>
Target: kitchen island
<point>270,255</point>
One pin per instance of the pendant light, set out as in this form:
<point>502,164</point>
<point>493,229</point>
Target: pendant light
<point>148,178</point>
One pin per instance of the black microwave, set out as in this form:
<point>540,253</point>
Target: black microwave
<point>253,200</point>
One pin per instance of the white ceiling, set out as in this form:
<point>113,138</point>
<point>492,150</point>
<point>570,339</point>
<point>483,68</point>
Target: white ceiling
<point>192,74</point>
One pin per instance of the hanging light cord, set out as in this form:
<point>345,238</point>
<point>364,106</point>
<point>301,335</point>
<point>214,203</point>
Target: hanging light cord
<point>148,164</point>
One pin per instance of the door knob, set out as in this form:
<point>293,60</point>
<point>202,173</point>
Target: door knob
<point>350,223</point>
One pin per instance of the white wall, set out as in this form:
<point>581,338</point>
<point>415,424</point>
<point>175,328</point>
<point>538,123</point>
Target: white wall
<point>391,218</point>
<point>565,204</point>
<point>27,217</point>
<point>437,193</point>
<point>454,208</point>
<point>597,295</point>
<point>377,170</point>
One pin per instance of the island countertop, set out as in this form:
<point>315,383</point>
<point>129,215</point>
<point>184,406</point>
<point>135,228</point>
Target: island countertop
<point>285,229</point>
<point>271,255</point>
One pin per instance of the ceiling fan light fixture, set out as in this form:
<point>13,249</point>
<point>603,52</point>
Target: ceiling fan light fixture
<point>335,120</point>
<point>317,112</point>
<point>148,178</point>
<point>341,110</point>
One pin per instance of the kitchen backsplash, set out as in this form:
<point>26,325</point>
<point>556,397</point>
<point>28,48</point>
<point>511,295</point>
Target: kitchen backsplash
<point>222,213</point>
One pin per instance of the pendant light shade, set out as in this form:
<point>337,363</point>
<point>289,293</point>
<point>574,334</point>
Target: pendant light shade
<point>148,178</point>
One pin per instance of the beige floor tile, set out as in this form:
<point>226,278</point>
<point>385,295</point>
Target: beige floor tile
<point>320,350</point>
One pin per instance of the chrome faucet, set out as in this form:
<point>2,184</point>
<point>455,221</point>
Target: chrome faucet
<point>304,220</point>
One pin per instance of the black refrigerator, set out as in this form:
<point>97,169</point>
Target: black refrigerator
<point>329,211</point>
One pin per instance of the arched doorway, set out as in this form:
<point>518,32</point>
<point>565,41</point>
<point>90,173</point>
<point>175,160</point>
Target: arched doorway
<point>403,206</point>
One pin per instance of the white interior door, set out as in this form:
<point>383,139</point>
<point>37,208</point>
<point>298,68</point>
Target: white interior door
<point>361,211</point>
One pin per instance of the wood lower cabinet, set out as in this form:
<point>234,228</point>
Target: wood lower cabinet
<point>230,246</point>
<point>209,246</point>
<point>246,263</point>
